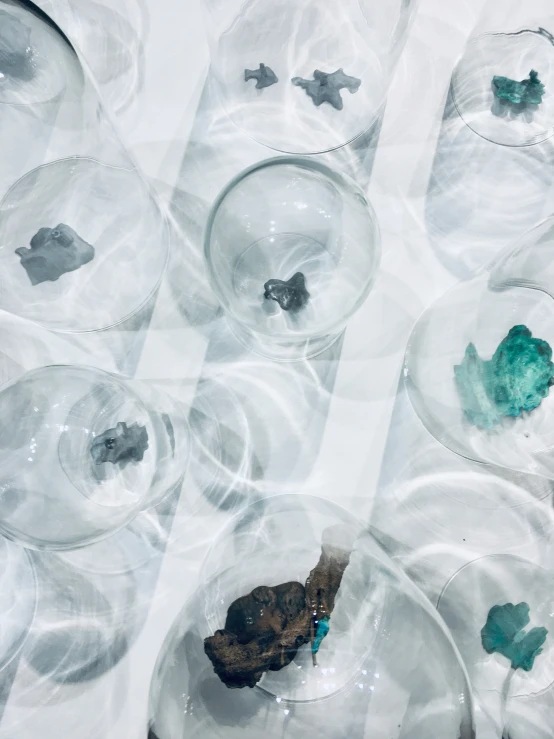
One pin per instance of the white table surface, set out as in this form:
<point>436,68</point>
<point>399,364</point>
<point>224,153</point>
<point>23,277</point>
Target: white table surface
<point>344,431</point>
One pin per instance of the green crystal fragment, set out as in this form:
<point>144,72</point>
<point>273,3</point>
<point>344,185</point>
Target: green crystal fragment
<point>527,91</point>
<point>516,379</point>
<point>503,633</point>
<point>320,634</point>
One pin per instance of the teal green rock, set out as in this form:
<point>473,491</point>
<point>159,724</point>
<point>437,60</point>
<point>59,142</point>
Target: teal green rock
<point>527,91</point>
<point>503,633</point>
<point>516,379</point>
<point>320,634</point>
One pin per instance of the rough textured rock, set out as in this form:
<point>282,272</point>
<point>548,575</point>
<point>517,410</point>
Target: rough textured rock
<point>516,379</point>
<point>265,76</point>
<point>120,445</point>
<point>325,87</point>
<point>16,53</point>
<point>529,91</point>
<point>291,295</point>
<point>53,252</point>
<point>503,633</point>
<point>264,629</point>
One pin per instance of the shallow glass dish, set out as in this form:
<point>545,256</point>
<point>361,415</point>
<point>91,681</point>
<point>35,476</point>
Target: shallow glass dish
<point>293,40</point>
<point>387,666</point>
<point>279,219</point>
<point>82,452</point>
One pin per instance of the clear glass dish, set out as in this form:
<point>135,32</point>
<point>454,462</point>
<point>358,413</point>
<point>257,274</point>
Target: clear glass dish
<point>294,39</point>
<point>516,289</point>
<point>84,241</point>
<point>514,698</point>
<point>82,452</point>
<point>387,666</point>
<point>510,40</point>
<point>282,218</point>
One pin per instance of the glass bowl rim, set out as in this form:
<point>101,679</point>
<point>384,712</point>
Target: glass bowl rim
<point>39,545</point>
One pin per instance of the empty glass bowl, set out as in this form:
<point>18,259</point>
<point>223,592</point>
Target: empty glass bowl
<point>82,452</point>
<point>500,411</point>
<point>17,599</point>
<point>387,666</point>
<point>292,250</point>
<point>259,50</point>
<point>511,43</point>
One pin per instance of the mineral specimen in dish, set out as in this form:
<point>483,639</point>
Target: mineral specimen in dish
<point>290,294</point>
<point>325,87</point>
<point>527,91</point>
<point>53,252</point>
<point>504,633</point>
<point>15,48</point>
<point>320,634</point>
<point>264,629</point>
<point>265,76</point>
<point>120,445</point>
<point>516,379</point>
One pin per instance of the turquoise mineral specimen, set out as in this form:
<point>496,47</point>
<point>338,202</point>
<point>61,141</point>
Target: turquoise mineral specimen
<point>503,633</point>
<point>516,379</point>
<point>320,634</point>
<point>526,91</point>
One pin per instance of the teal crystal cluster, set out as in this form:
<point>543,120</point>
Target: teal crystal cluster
<point>527,91</point>
<point>503,633</point>
<point>516,379</point>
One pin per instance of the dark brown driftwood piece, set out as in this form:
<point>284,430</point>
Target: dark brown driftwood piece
<point>264,629</point>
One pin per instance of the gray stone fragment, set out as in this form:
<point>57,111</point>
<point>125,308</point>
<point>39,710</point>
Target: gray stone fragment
<point>264,75</point>
<point>290,294</point>
<point>325,88</point>
<point>53,252</point>
<point>120,445</point>
<point>15,48</point>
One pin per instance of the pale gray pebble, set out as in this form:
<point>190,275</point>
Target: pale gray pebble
<point>264,75</point>
<point>53,252</point>
<point>325,88</point>
<point>120,445</point>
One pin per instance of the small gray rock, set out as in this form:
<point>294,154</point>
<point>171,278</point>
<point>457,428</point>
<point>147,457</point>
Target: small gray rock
<point>290,294</point>
<point>325,88</point>
<point>264,75</point>
<point>120,445</point>
<point>53,252</point>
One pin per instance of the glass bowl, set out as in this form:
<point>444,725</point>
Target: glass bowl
<point>479,416</point>
<point>295,221</point>
<point>387,666</point>
<point>104,269</point>
<point>81,454</point>
<point>510,40</point>
<point>292,40</point>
